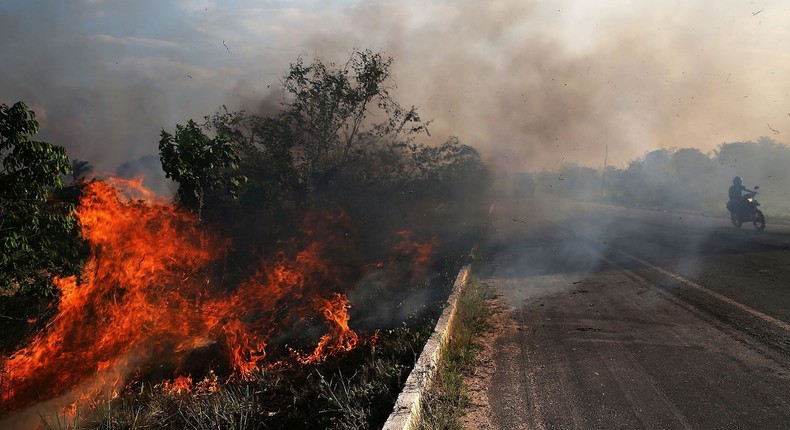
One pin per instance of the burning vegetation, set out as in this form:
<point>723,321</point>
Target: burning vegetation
<point>300,239</point>
<point>149,296</point>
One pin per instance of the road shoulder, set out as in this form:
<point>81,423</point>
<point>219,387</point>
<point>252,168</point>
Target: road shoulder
<point>478,414</point>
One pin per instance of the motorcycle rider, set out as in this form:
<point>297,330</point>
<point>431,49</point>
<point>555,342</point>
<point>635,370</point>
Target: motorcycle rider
<point>736,198</point>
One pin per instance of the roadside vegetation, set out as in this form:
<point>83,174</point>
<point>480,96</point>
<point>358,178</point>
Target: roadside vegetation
<point>444,404</point>
<point>338,148</point>
<point>680,178</point>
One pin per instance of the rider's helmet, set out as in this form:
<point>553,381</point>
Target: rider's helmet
<point>737,180</point>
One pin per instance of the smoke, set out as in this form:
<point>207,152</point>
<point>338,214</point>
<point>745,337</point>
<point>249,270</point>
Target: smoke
<point>529,83</point>
<point>104,97</point>
<point>532,83</point>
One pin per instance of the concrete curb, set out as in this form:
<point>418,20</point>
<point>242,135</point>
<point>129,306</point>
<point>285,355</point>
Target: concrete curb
<point>406,413</point>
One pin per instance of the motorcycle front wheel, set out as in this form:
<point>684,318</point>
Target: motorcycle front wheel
<point>735,220</point>
<point>759,221</point>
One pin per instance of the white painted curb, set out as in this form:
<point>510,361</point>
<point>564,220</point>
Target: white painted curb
<point>406,413</point>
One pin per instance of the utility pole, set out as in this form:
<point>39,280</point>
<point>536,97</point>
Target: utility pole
<point>603,174</point>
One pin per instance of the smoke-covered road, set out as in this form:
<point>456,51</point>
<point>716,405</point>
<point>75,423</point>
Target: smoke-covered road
<point>623,318</point>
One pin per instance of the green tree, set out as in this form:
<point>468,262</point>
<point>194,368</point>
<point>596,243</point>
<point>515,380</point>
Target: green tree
<point>200,164</point>
<point>338,141</point>
<point>38,234</point>
<point>331,113</point>
<point>267,160</point>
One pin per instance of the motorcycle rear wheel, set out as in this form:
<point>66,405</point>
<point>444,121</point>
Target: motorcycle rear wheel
<point>759,221</point>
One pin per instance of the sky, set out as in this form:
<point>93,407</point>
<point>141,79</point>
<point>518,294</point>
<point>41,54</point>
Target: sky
<point>531,84</point>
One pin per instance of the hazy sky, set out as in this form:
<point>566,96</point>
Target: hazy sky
<point>531,84</point>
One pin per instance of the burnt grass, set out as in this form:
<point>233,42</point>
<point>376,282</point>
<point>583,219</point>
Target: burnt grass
<point>353,390</point>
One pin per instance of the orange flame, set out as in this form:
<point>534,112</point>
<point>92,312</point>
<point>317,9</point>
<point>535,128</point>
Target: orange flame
<point>340,337</point>
<point>148,295</point>
<point>420,252</point>
<point>129,304</point>
<point>180,385</point>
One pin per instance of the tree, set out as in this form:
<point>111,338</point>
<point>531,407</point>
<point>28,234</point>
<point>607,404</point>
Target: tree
<point>265,145</point>
<point>199,164</point>
<point>38,234</point>
<point>338,142</point>
<point>335,123</point>
<point>330,113</point>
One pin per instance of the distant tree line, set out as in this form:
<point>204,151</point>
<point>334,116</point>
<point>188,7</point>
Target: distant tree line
<point>683,178</point>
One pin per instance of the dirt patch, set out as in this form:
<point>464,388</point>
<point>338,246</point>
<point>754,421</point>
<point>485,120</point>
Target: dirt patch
<point>478,414</point>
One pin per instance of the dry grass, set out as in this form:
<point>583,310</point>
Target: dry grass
<point>445,401</point>
<point>356,390</point>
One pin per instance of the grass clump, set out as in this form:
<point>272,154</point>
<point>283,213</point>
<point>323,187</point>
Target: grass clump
<point>444,403</point>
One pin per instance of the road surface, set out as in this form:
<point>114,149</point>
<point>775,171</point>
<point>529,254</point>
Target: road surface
<point>625,318</point>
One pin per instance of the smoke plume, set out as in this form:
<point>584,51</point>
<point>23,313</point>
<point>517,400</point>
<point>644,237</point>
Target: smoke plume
<point>531,84</point>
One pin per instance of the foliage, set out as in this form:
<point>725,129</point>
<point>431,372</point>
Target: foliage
<point>199,164</point>
<point>38,234</point>
<point>327,111</point>
<point>325,130</point>
<point>340,142</point>
<point>684,178</point>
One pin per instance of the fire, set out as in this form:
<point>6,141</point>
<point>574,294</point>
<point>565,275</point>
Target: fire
<point>180,385</point>
<point>420,253</point>
<point>149,296</point>
<point>139,297</point>
<point>340,336</point>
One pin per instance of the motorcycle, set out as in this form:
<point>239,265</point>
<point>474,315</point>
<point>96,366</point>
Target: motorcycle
<point>747,212</point>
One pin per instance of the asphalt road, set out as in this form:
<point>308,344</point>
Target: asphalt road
<point>626,318</point>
